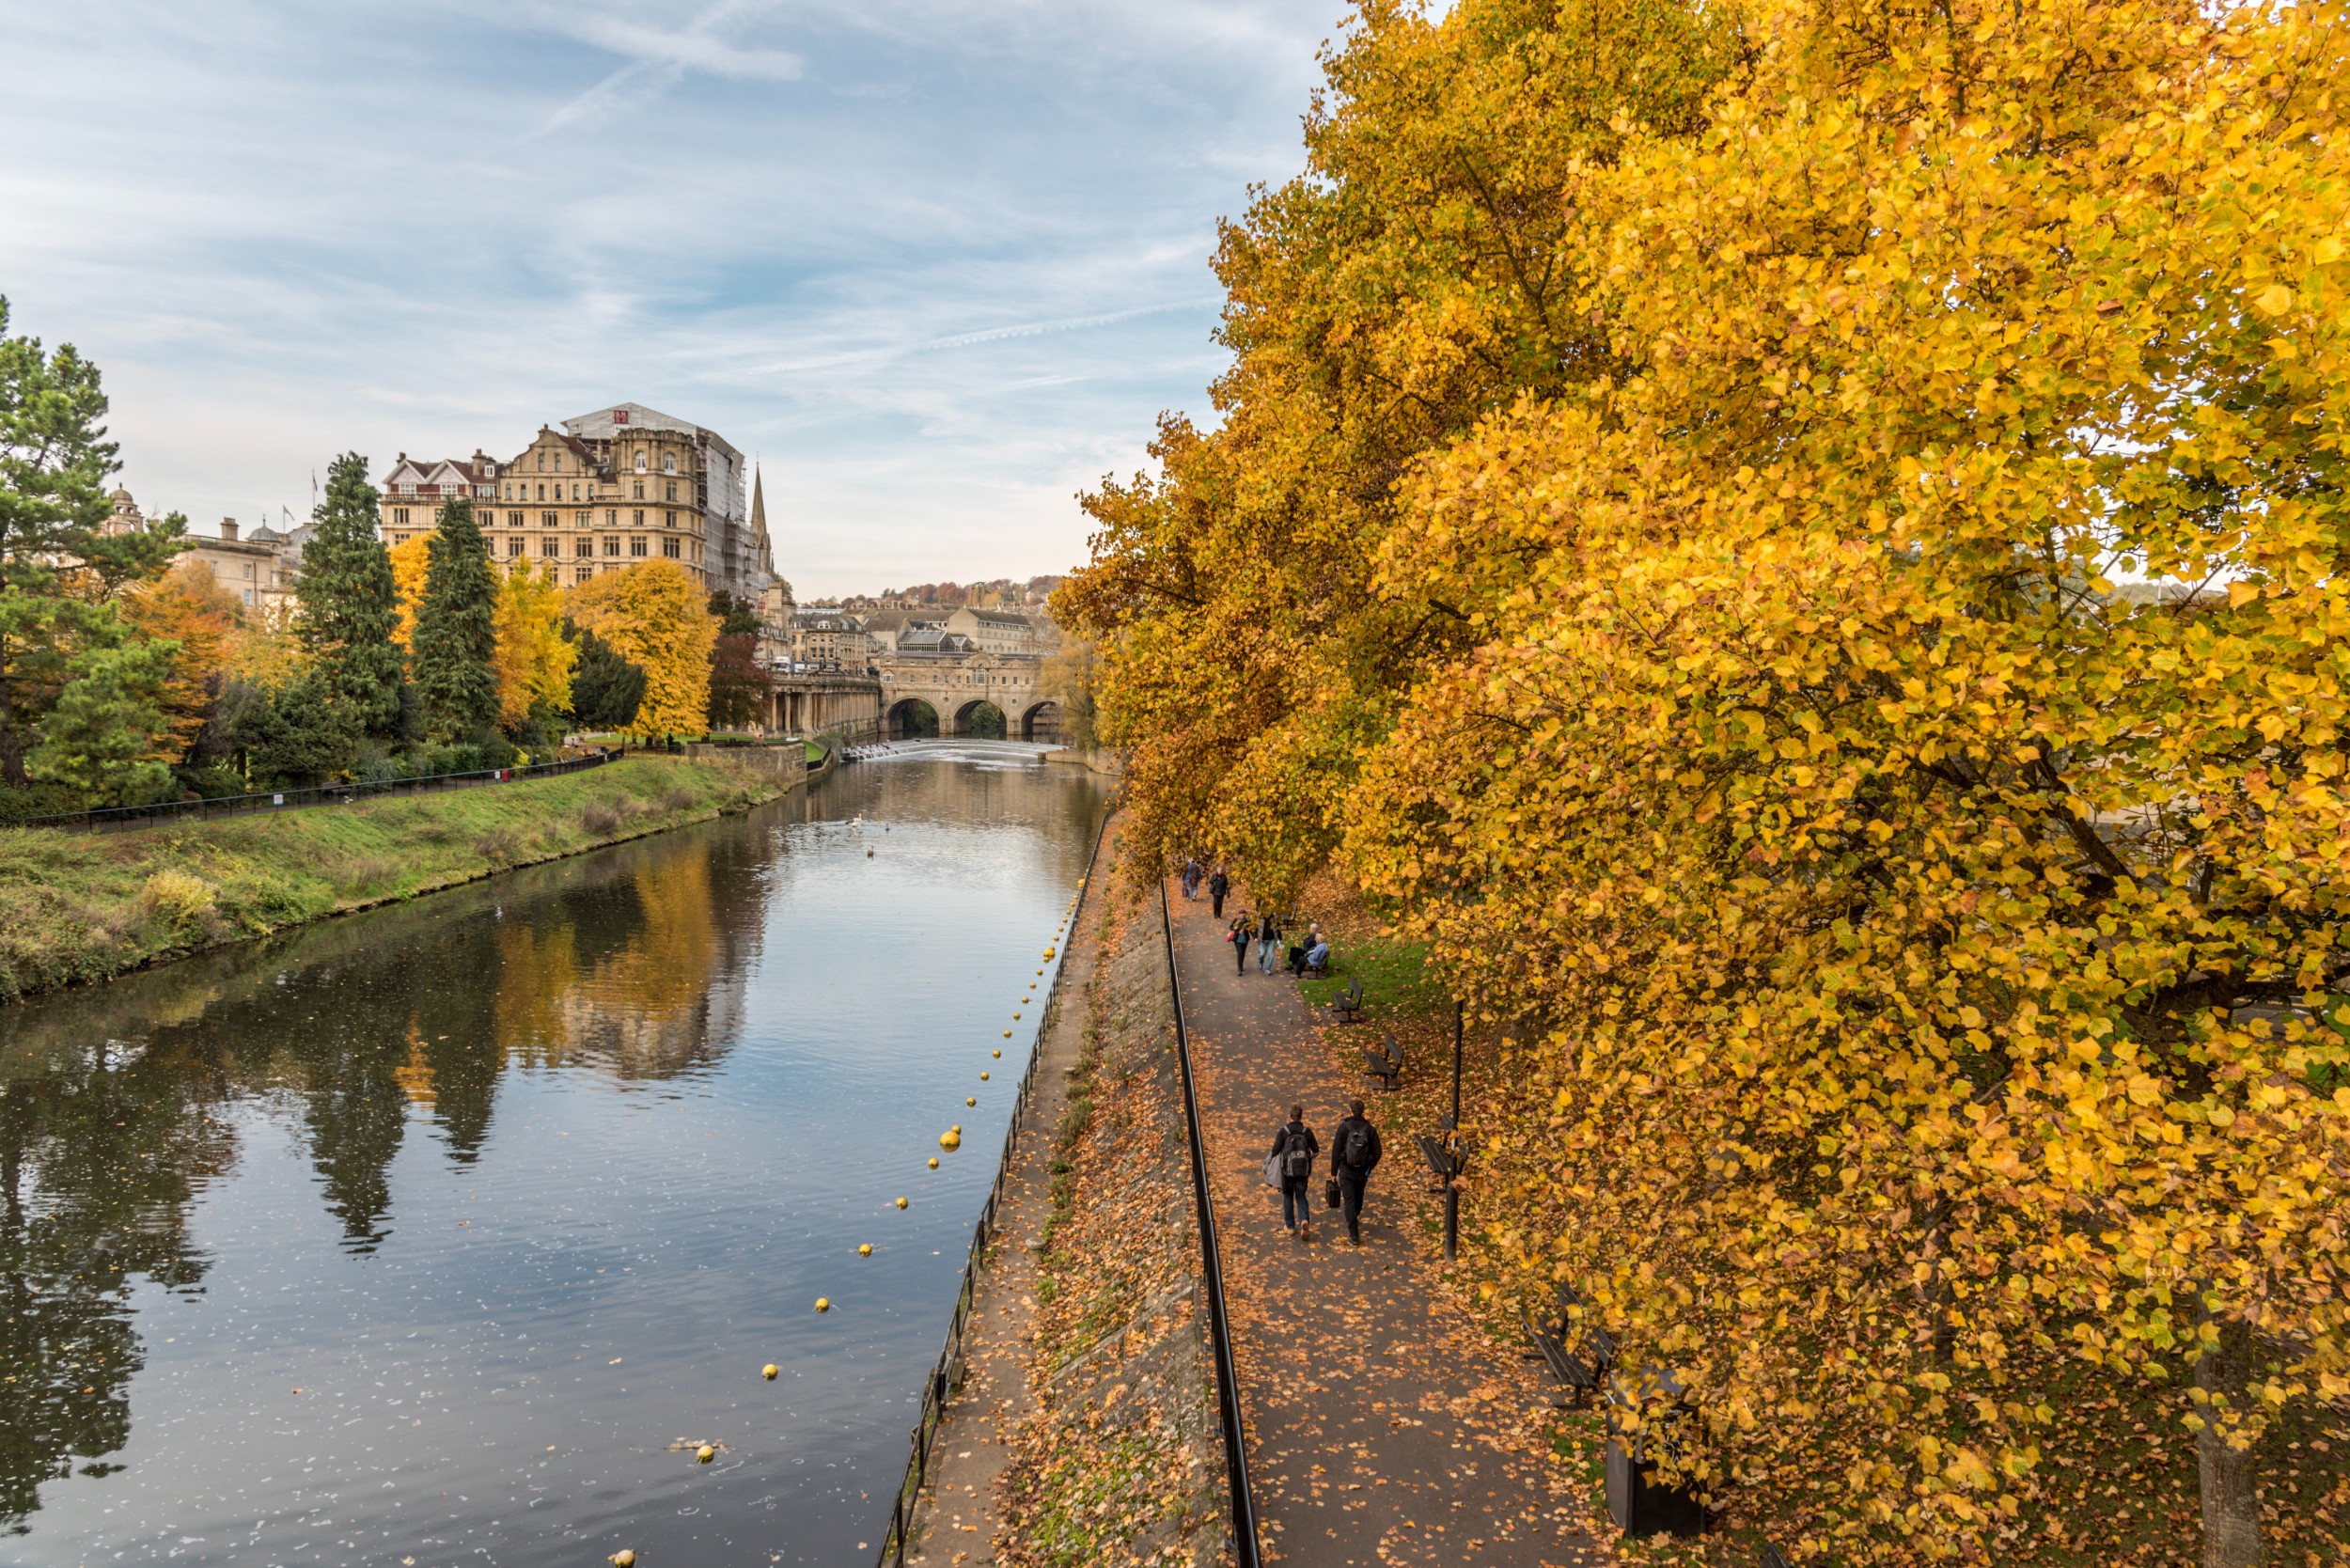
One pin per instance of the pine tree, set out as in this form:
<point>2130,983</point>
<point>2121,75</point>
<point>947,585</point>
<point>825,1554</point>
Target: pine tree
<point>606,689</point>
<point>349,603</point>
<point>456,635</point>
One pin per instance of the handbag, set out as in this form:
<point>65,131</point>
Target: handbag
<point>1330,1193</point>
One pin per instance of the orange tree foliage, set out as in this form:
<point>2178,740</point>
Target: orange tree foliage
<point>658,619</point>
<point>186,606</point>
<point>534,660</point>
<point>1884,743</point>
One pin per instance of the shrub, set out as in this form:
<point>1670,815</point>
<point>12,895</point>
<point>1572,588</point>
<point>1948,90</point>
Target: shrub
<point>177,897</point>
<point>498,846</point>
<point>213,782</point>
<point>599,820</point>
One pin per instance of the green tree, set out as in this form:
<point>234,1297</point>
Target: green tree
<point>300,736</point>
<point>100,736</point>
<point>606,689</point>
<point>736,616</point>
<point>56,570</point>
<point>456,637</point>
<point>350,606</point>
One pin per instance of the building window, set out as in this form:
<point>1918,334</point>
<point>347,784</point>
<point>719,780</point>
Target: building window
<point>399,516</point>
<point>546,519</point>
<point>574,490</point>
<point>581,573</point>
<point>668,548</point>
<point>550,547</point>
<point>611,545</point>
<point>640,463</point>
<point>669,519</point>
<point>586,547</point>
<point>585,517</point>
<point>670,490</point>
<point>668,464</point>
<point>640,490</point>
<point>513,544</point>
<point>611,517</point>
<point>637,546</point>
<point>513,519</point>
<point>637,518</point>
<point>558,462</point>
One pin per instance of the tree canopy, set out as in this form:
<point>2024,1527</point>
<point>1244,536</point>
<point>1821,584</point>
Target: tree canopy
<point>1799,545</point>
<point>655,616</point>
<point>456,635</point>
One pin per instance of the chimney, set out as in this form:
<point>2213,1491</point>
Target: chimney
<point>228,529</point>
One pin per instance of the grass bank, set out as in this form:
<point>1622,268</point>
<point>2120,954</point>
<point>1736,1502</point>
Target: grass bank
<point>83,906</point>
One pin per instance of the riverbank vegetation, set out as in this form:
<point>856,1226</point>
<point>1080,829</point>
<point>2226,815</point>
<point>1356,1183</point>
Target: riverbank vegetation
<point>130,674</point>
<point>83,906</point>
<point>1798,548</point>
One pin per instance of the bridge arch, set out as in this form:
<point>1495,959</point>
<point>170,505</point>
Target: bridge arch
<point>1042,722</point>
<point>982,718</point>
<point>911,718</point>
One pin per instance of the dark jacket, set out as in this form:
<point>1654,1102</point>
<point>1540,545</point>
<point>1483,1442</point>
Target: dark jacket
<point>1217,884</point>
<point>1337,1142</point>
<point>1268,930</point>
<point>1281,1140</point>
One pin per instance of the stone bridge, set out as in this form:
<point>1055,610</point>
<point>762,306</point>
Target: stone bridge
<point>953,686</point>
<point>918,694</point>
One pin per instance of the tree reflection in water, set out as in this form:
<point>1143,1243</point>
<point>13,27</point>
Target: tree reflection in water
<point>625,965</point>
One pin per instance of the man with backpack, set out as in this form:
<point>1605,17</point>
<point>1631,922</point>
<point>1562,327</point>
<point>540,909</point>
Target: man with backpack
<point>1294,1147</point>
<point>1353,1154</point>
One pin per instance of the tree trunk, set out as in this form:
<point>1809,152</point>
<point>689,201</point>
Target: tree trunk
<point>2232,1512</point>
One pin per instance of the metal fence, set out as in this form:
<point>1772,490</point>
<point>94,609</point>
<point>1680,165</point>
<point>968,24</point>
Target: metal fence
<point>323,794</point>
<point>1245,1550</point>
<point>947,1373</point>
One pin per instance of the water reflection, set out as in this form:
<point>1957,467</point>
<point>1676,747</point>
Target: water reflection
<point>502,1035</point>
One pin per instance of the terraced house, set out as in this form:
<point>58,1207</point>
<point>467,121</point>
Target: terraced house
<point>606,491</point>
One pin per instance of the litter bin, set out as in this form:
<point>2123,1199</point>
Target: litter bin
<point>1646,1416</point>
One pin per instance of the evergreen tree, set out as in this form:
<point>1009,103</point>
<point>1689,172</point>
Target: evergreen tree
<point>349,602</point>
<point>54,463</point>
<point>736,616</point>
<point>606,689</point>
<point>456,635</point>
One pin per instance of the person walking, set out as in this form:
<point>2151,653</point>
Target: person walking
<point>1295,1145</point>
<point>1191,879</point>
<point>1237,937</point>
<point>1268,941</point>
<point>1354,1155</point>
<point>1218,885</point>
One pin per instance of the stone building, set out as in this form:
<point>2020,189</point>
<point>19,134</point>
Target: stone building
<point>824,637</point>
<point>606,491</point>
<point>258,570</point>
<point>999,631</point>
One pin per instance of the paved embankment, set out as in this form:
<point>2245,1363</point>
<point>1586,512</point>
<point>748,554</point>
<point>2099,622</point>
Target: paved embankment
<point>1383,1427</point>
<point>1084,1428</point>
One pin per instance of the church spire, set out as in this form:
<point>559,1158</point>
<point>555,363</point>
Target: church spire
<point>760,544</point>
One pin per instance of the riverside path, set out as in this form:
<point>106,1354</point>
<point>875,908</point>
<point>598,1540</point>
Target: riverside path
<point>1383,1428</point>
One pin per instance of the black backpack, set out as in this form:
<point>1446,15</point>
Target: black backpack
<point>1297,1156</point>
<point>1353,1149</point>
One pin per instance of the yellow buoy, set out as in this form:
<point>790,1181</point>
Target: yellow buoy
<point>624,1559</point>
<point>950,1141</point>
<point>823,1303</point>
<point>983,1077</point>
<point>996,1053</point>
<point>704,1455</point>
<point>1007,1034</point>
<point>970,1100</point>
<point>934,1162</point>
<point>902,1203</point>
<point>865,1250</point>
<point>769,1370</point>
<point>1015,1017</point>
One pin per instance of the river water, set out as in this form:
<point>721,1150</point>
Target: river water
<point>442,1234</point>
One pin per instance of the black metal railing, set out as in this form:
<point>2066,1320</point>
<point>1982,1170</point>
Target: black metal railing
<point>322,794</point>
<point>948,1373</point>
<point>1245,1550</point>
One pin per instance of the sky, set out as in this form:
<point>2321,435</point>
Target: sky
<point>936,267</point>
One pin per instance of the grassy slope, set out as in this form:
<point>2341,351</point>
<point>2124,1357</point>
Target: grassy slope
<point>2118,1483</point>
<point>82,906</point>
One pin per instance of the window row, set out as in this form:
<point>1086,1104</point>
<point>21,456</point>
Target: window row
<point>552,548</point>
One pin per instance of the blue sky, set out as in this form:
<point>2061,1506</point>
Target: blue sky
<point>936,265</point>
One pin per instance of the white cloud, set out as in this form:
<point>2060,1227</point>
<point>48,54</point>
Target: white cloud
<point>939,265</point>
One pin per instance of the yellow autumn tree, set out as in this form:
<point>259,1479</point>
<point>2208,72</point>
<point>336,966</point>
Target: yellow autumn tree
<point>533,659</point>
<point>1869,721</point>
<point>658,619</point>
<point>411,558</point>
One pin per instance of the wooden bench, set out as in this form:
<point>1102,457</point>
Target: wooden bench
<point>1348,1004</point>
<point>1385,1062</point>
<point>1580,1355</point>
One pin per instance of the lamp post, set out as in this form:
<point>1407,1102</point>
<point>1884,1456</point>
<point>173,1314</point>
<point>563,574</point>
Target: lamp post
<point>1452,1130</point>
